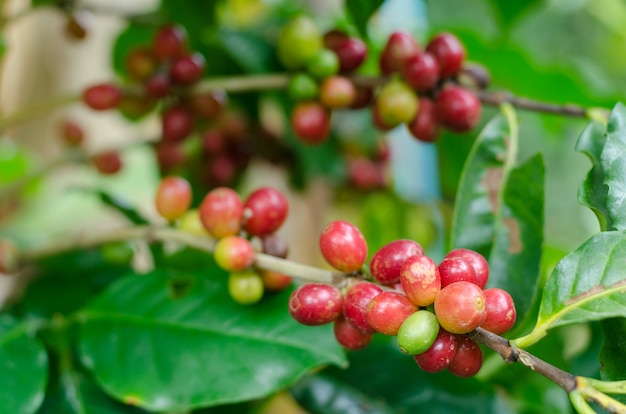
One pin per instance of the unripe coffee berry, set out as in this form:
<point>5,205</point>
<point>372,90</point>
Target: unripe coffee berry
<point>245,287</point>
<point>460,307</point>
<point>324,64</point>
<point>315,304</point>
<point>343,246</point>
<point>397,103</point>
<point>337,92</point>
<point>298,42</point>
<point>234,253</point>
<point>302,87</point>
<point>418,332</point>
<point>274,281</point>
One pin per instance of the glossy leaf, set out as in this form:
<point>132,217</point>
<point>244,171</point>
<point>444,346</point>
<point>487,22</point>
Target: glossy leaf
<point>478,198</point>
<point>613,349</point>
<point>177,349</point>
<point>24,367</point>
<point>588,284</point>
<point>614,166</point>
<point>516,254</point>
<point>361,11</point>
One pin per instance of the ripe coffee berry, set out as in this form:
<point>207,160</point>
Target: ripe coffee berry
<point>399,47</point>
<point>170,155</point>
<point>456,269</point>
<point>274,281</point>
<point>265,210</point>
<point>221,212</point>
<point>245,287</point>
<point>356,302</point>
<point>170,42</point>
<point>501,312</point>
<point>102,96</point>
<point>418,332</point>
<point>468,359</point>
<point>337,92</point>
<point>351,53</point>
<point>173,197</point>
<point>343,246</point>
<point>421,72</point>
<point>311,122</point>
<point>388,310</point>
<point>234,253</point>
<point>457,108</point>
<point>460,307</point>
<point>440,354</point>
<point>176,123</point>
<point>72,133</point>
<point>208,104</point>
<point>388,260</point>
<point>420,280</point>
<point>425,126</point>
<point>108,162</point>
<point>315,304</point>
<point>187,69</point>
<point>348,336</point>
<point>478,262</point>
<point>449,53</point>
<point>158,85</point>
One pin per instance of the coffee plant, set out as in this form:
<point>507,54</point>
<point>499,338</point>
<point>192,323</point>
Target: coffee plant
<point>353,206</point>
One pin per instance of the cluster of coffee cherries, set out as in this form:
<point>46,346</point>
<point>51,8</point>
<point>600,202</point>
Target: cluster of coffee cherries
<point>422,91</point>
<point>430,307</point>
<point>236,224</point>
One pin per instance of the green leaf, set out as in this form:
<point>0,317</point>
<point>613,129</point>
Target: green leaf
<point>613,349</point>
<point>479,195</point>
<point>251,51</point>
<point>588,284</point>
<point>516,254</point>
<point>361,11</point>
<point>24,367</point>
<point>614,166</point>
<point>593,191</point>
<point>511,11</point>
<point>165,351</point>
<point>122,206</point>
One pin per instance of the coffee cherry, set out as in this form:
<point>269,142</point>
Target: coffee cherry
<point>108,162</point>
<point>140,63</point>
<point>234,253</point>
<point>460,307</point>
<point>72,133</point>
<point>420,280</point>
<point>343,246</point>
<point>298,42</point>
<point>119,253</point>
<point>311,122</point>
<point>221,212</point>
<point>388,310</point>
<point>176,123</point>
<point>501,312</point>
<point>440,354</point>
<point>245,288</point>
<point>213,141</point>
<point>378,121</point>
<point>468,359</point>
<point>418,332</point>
<point>170,42</point>
<point>170,155</point>
<point>355,304</point>
<point>388,260</point>
<point>158,85</point>
<point>187,69</point>
<point>274,281</point>
<point>324,64</point>
<point>265,210</point>
<point>457,108</point>
<point>220,171</point>
<point>274,245</point>
<point>478,262</point>
<point>351,53</point>
<point>136,107</point>
<point>474,76</point>
<point>173,197</point>
<point>302,87</point>
<point>315,304</point>
<point>397,103</point>
<point>102,96</point>
<point>449,53</point>
<point>365,174</point>
<point>9,256</point>
<point>349,337</point>
<point>456,269</point>
<point>425,126</point>
<point>190,222</point>
<point>208,104</point>
<point>337,92</point>
<point>400,46</point>
<point>421,72</point>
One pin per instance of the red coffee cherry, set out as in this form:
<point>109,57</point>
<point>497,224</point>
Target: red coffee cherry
<point>388,310</point>
<point>350,51</point>
<point>274,281</point>
<point>176,123</point>
<point>234,253</point>
<point>478,262</point>
<point>213,141</point>
<point>501,313</point>
<point>425,126</point>
<point>389,259</point>
<point>140,63</point>
<point>108,162</point>
<point>170,42</point>
<point>440,354</point>
<point>187,69</point>
<point>399,47</point>
<point>421,72</point>
<point>365,174</point>
<point>102,96</point>
<point>343,246</point>
<point>420,280</point>
<point>208,104</point>
<point>158,85</point>
<point>457,108</point>
<point>315,304</point>
<point>221,212</point>
<point>337,92</point>
<point>170,155</point>
<point>350,337</point>
<point>356,302</point>
<point>265,210</point>
<point>173,197</point>
<point>72,133</point>
<point>468,359</point>
<point>461,307</point>
<point>449,53</point>
<point>456,269</point>
<point>311,122</point>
